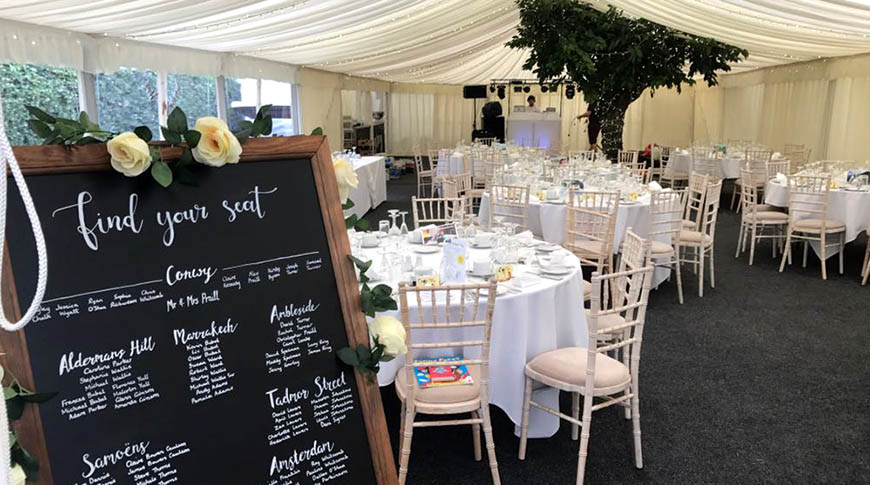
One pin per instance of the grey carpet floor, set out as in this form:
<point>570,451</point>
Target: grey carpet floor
<point>764,379</point>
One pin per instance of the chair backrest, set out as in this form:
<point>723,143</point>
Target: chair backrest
<point>433,158</point>
<point>749,192</point>
<point>694,198</point>
<point>591,222</point>
<point>437,210</point>
<point>635,251</point>
<point>629,158</point>
<point>458,187</point>
<point>798,158</point>
<point>703,161</point>
<point>666,215</point>
<point>666,152</point>
<point>793,147</point>
<point>758,171</point>
<point>438,312</point>
<point>630,302</point>
<point>774,167</point>
<point>510,202</point>
<point>640,174</point>
<point>485,141</point>
<point>583,155</point>
<point>762,156</point>
<point>808,197</point>
<point>711,207</point>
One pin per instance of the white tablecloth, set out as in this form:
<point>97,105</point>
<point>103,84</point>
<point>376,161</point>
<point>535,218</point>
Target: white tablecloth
<point>544,316</point>
<point>372,188</point>
<point>726,168</point>
<point>547,221</point>
<point>849,207</point>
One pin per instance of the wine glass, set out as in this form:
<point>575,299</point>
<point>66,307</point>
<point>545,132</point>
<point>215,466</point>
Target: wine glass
<point>394,229</point>
<point>404,229</point>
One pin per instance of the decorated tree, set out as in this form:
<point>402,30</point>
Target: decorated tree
<point>613,58</point>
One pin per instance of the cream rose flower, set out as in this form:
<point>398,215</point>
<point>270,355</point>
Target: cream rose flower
<point>218,145</point>
<point>345,176</point>
<point>130,154</point>
<point>390,333</point>
<point>17,476</point>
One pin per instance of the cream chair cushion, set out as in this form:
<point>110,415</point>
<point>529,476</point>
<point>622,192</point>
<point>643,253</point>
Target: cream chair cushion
<point>659,248</point>
<point>690,225</point>
<point>588,248</point>
<point>815,225</point>
<point>569,365</point>
<point>769,216</point>
<point>442,394</point>
<point>694,237</point>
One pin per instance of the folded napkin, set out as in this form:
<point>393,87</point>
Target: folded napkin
<point>525,237</point>
<point>654,186</point>
<point>780,177</point>
<point>776,155</point>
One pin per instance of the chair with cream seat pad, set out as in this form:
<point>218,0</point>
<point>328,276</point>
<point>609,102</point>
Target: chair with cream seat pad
<point>635,254</point>
<point>808,221</point>
<point>756,162</point>
<point>701,241</point>
<point>590,227</point>
<point>755,221</point>
<point>693,201</point>
<point>437,211</point>
<point>510,203</point>
<point>425,176</point>
<point>666,222</point>
<point>441,311</point>
<point>591,372</point>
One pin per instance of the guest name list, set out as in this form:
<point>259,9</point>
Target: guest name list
<point>191,332</point>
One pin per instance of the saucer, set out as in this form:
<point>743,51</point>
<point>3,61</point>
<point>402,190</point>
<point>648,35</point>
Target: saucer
<point>423,249</point>
<point>548,248</point>
<point>559,270</point>
<point>370,246</point>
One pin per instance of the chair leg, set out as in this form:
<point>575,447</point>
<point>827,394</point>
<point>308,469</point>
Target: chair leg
<point>584,439</point>
<point>575,413</point>
<point>524,425</point>
<point>475,436</point>
<point>733,197</point>
<point>740,239</point>
<point>679,282</point>
<point>635,421</point>
<point>490,443</point>
<point>701,271</point>
<point>842,247</point>
<point>786,251</point>
<point>824,257</point>
<point>405,452</point>
<point>402,425</point>
<point>806,246</point>
<point>751,244</point>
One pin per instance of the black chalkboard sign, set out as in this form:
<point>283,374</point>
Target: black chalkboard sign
<point>191,331</point>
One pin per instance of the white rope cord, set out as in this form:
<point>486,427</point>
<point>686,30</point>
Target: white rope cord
<point>6,156</point>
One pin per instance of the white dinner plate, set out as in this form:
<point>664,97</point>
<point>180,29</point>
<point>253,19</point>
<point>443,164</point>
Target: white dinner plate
<point>499,290</point>
<point>548,248</point>
<point>480,246</point>
<point>424,249</point>
<point>370,246</point>
<point>556,270</point>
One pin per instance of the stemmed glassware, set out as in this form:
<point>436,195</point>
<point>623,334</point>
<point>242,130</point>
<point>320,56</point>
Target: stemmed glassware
<point>404,229</point>
<point>394,215</point>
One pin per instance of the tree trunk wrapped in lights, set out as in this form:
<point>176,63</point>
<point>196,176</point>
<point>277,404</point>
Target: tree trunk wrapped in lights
<point>612,58</point>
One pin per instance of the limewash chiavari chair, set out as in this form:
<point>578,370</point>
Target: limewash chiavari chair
<point>425,177</point>
<point>808,219</point>
<point>701,241</point>
<point>459,187</point>
<point>666,222</point>
<point>433,159</point>
<point>798,158</point>
<point>634,253</point>
<point>756,162</point>
<point>440,312</point>
<point>590,227</point>
<point>436,211</point>
<point>592,373</point>
<point>754,220</point>
<point>793,147</point>
<point>669,177</point>
<point>511,203</point>
<point>656,163</point>
<point>703,161</point>
<point>693,201</point>
<point>582,155</point>
<point>774,167</point>
<point>628,158</point>
<point>485,141</point>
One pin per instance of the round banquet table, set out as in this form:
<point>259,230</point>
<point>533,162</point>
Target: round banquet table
<point>848,206</point>
<point>539,315</point>
<point>547,221</point>
<point>372,188</point>
<point>727,167</point>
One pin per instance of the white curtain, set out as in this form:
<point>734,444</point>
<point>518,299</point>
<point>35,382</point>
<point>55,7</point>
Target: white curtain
<point>850,120</point>
<point>410,122</point>
<point>357,105</point>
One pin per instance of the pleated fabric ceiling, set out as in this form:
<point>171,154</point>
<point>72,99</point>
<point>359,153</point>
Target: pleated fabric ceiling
<point>438,41</point>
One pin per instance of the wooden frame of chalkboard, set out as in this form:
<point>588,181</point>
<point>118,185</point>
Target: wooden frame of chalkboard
<point>55,159</point>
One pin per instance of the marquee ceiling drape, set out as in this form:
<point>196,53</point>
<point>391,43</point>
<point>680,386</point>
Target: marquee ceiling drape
<point>438,41</point>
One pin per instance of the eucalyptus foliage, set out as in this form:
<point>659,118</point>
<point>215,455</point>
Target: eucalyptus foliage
<point>613,58</point>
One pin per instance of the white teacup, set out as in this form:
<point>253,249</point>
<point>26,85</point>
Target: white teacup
<point>553,193</point>
<point>483,240</point>
<point>417,236</point>
<point>557,259</point>
<point>422,271</point>
<point>370,239</point>
<point>481,267</point>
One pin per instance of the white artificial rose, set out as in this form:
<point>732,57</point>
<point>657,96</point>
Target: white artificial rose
<point>130,154</point>
<point>345,176</point>
<point>390,333</point>
<point>217,145</point>
<point>17,476</point>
